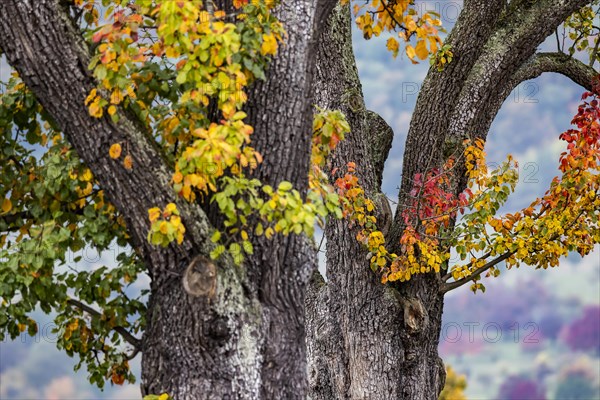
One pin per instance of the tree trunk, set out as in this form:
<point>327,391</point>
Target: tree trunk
<point>367,340</point>
<point>246,339</point>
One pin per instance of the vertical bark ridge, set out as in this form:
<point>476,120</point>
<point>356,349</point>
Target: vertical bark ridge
<point>280,110</point>
<point>357,334</point>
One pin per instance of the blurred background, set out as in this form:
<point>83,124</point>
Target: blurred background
<point>534,334</point>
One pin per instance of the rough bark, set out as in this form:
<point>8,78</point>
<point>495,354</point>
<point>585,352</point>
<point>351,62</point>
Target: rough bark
<point>191,345</point>
<point>245,340</point>
<point>366,340</point>
<point>280,111</point>
<point>375,342</point>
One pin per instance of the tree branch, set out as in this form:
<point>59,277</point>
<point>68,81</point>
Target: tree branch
<point>449,274</point>
<point>558,62</point>
<point>125,334</point>
<point>453,285</point>
<point>537,64</point>
<point>52,58</point>
<point>512,45</point>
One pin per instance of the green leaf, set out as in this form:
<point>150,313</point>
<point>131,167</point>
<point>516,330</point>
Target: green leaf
<point>248,248</point>
<point>216,236</point>
<point>216,252</point>
<point>285,186</point>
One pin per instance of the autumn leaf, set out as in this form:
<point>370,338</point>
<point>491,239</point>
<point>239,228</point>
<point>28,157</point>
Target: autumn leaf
<point>153,214</point>
<point>269,45</point>
<point>95,110</point>
<point>393,46</point>
<point>115,151</point>
<point>410,52</point>
<point>6,205</point>
<point>128,162</point>
<point>421,50</point>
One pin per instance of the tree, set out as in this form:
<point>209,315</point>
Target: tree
<point>576,385</point>
<point>151,148</point>
<point>454,387</point>
<point>583,333</point>
<point>516,387</point>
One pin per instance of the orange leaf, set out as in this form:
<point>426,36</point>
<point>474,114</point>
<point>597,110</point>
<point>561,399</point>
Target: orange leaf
<point>128,162</point>
<point>6,205</point>
<point>115,151</point>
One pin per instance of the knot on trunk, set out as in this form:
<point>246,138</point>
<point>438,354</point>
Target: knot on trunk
<point>200,278</point>
<point>415,315</point>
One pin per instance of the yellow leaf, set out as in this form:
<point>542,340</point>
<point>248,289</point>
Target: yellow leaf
<point>116,97</point>
<point>187,193</point>
<point>163,227</point>
<point>112,110</point>
<point>180,235</point>
<point>269,45</point>
<point>421,50</point>
<point>6,205</point>
<point>153,214</point>
<point>393,46</point>
<point>434,44</point>
<point>95,110</point>
<point>410,52</point>
<point>115,151</point>
<point>171,208</point>
<point>91,96</point>
<point>177,177</point>
<point>269,233</point>
<point>175,221</point>
<point>86,176</point>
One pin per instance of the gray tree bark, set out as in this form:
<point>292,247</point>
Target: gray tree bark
<point>247,341</point>
<point>364,340</point>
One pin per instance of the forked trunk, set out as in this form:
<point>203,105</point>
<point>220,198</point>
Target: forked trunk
<point>241,335</point>
<point>365,340</point>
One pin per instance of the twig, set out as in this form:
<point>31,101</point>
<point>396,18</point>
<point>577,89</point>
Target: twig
<point>321,244</point>
<point>449,274</point>
<point>451,286</point>
<point>125,334</point>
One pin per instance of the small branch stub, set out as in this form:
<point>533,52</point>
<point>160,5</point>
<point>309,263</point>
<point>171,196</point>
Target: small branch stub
<point>200,278</point>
